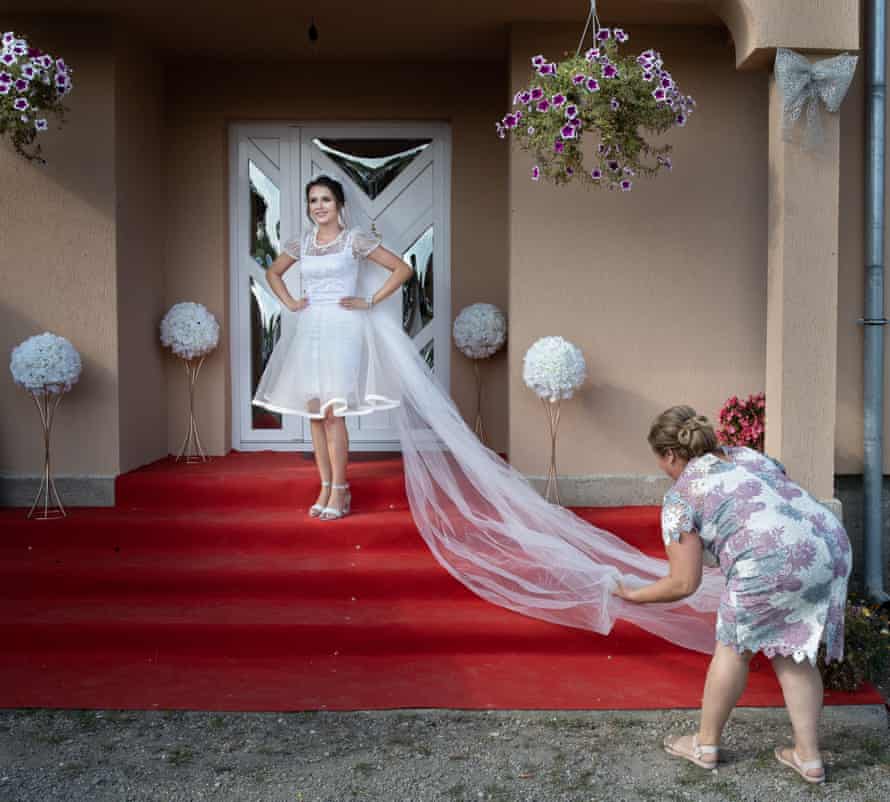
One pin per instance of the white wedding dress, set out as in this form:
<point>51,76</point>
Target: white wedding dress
<point>482,520</point>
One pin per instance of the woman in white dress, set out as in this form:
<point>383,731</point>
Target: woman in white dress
<point>481,519</point>
<point>326,371</point>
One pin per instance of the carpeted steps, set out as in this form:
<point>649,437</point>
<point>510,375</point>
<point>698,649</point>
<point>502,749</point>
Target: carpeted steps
<point>208,587</point>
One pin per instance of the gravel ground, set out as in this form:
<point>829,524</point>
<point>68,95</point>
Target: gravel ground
<point>420,756</point>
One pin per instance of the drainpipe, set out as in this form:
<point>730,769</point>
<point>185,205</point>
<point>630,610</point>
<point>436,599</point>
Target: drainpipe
<point>874,320</point>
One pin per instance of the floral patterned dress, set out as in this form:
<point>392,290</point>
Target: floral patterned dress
<point>785,557</point>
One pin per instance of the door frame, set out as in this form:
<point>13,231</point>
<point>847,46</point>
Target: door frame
<point>292,225</point>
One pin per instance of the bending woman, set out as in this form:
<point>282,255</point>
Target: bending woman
<point>786,560</point>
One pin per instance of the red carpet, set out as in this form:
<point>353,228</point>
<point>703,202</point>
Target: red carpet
<point>208,587</point>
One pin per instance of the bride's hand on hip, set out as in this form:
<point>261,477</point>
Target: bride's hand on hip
<point>351,302</point>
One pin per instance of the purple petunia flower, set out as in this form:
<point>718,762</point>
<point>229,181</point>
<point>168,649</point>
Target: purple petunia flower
<point>613,165</point>
<point>578,79</point>
<point>543,105</point>
<point>5,78</point>
<point>538,60</point>
<point>576,121</point>
<point>614,104</point>
<point>602,149</point>
<point>644,62</point>
<point>680,120</point>
<point>61,66</point>
<point>592,85</point>
<point>21,104</point>
<point>648,76</point>
<point>41,125</point>
<point>626,185</point>
<point>603,35</point>
<point>4,89</point>
<point>525,97</point>
<point>500,129</point>
<point>8,59</point>
<point>531,130</point>
<point>536,173</point>
<point>629,171</point>
<point>568,132</point>
<point>558,146</point>
<point>558,100</point>
<point>510,121</point>
<point>21,85</point>
<point>660,95</point>
<point>610,71</point>
<point>649,55</point>
<point>592,54</point>
<point>666,82</point>
<point>537,93</point>
<point>571,111</point>
<point>8,38</point>
<point>28,72</point>
<point>46,61</point>
<point>620,35</point>
<point>569,171</point>
<point>20,49</point>
<point>547,69</point>
<point>596,174</point>
<point>666,161</point>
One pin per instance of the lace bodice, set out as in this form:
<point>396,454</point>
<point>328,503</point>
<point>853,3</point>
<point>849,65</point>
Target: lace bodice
<point>330,271</point>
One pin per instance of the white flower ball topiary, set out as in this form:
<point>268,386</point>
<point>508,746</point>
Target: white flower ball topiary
<point>554,368</point>
<point>45,362</point>
<point>480,330</point>
<point>189,330</point>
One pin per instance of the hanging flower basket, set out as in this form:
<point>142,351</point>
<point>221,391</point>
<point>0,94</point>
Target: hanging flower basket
<point>32,85</point>
<point>610,98</point>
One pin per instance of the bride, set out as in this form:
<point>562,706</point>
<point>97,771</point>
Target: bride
<point>482,520</point>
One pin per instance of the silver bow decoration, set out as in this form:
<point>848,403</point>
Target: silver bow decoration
<point>803,84</point>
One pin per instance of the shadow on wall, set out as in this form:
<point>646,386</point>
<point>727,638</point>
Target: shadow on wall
<point>614,407</point>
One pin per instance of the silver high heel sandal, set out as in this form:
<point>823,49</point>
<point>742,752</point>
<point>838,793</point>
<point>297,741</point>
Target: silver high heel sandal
<point>332,513</point>
<point>317,509</point>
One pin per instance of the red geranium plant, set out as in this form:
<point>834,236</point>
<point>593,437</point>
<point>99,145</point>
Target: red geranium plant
<point>743,423</point>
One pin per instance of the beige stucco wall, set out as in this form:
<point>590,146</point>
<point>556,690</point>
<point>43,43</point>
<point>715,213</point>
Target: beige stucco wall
<point>662,288</point>
<point>140,252</point>
<point>199,110</point>
<point>57,261</point>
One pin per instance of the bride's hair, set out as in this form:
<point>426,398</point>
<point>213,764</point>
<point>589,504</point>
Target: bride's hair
<point>333,185</point>
<point>682,430</point>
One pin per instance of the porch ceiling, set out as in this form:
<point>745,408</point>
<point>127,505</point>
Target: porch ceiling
<point>349,30</point>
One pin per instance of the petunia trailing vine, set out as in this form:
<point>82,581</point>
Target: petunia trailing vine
<point>616,98</point>
<point>32,85</point>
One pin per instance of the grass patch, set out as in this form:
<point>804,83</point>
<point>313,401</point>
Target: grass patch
<point>457,792</point>
<point>72,770</point>
<point>216,723</point>
<point>497,793</point>
<point>52,739</point>
<point>180,756</point>
<point>86,721</point>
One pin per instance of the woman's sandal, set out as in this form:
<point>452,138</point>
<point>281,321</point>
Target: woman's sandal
<point>802,766</point>
<point>697,754</point>
<point>332,513</point>
<point>317,509</point>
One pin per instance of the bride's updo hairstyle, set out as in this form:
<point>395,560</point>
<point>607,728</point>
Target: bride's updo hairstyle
<point>681,430</point>
<point>333,185</point>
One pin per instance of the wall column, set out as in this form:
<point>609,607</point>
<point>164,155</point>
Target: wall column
<point>802,300</point>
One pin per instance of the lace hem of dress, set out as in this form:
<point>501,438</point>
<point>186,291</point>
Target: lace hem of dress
<point>341,408</point>
<point>781,650</point>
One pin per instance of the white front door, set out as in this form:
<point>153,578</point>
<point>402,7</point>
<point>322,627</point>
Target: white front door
<point>397,182</point>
